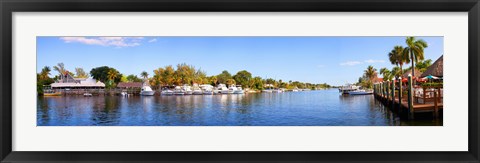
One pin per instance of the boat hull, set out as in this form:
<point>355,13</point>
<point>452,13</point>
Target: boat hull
<point>147,93</point>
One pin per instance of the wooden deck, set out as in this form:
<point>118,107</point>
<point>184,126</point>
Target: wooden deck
<point>428,106</point>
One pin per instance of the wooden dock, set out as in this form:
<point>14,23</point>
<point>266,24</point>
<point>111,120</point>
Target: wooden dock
<point>407,100</point>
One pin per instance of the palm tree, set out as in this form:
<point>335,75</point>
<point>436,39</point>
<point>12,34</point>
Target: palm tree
<point>45,72</point>
<point>214,80</point>
<point>385,73</point>
<point>60,68</point>
<point>415,49</point>
<point>398,57</point>
<point>370,73</point>
<point>80,73</point>
<point>396,71</point>
<point>144,74</point>
<point>112,74</point>
<point>230,82</point>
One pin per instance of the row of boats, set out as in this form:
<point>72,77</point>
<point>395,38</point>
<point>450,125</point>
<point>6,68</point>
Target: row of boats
<point>203,89</point>
<point>206,89</point>
<point>354,90</point>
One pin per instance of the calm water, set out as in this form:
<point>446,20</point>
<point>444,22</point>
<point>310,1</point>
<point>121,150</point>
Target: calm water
<point>311,108</point>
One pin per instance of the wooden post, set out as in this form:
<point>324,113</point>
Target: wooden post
<point>400,92</point>
<point>410,97</point>
<point>435,104</point>
<point>424,94</point>
<point>393,93</point>
<point>387,86</point>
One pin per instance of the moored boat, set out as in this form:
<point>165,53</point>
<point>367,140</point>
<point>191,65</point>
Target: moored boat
<point>361,92</point>
<point>178,91</point>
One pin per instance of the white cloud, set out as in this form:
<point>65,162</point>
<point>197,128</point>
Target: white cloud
<point>350,63</point>
<point>374,61</point>
<point>153,40</point>
<point>105,41</point>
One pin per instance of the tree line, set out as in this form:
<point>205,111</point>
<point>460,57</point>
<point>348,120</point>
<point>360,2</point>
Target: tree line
<point>172,76</point>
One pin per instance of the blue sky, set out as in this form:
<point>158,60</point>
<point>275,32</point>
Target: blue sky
<point>332,60</point>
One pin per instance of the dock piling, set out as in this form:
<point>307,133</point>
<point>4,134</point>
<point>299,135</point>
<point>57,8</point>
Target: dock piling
<point>410,97</point>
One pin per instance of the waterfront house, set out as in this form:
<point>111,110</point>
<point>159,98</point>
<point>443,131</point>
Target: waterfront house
<point>67,83</point>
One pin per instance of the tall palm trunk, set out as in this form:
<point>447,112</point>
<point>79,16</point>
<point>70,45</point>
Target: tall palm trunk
<point>401,70</point>
<point>413,64</point>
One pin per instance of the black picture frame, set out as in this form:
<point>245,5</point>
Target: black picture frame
<point>7,7</point>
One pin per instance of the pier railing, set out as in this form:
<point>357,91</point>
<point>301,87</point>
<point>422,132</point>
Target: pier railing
<point>404,97</point>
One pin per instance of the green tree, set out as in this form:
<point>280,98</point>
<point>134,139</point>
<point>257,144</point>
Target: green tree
<point>80,73</point>
<point>44,74</point>
<point>230,82</point>
<point>385,73</point>
<point>107,75</point>
<point>257,83</point>
<point>243,77</point>
<point>224,76</point>
<point>133,78</point>
<point>370,73</point>
<point>422,66</point>
<point>60,68</point>
<point>398,57</point>
<point>144,75</point>
<point>415,49</point>
<point>396,71</point>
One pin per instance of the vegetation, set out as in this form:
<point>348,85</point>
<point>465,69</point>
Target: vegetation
<point>415,49</point>
<point>110,76</point>
<point>43,79</point>
<point>171,76</point>
<point>399,55</point>
<point>80,73</point>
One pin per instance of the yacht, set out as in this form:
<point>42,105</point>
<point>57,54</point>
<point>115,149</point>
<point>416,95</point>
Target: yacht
<point>167,92</point>
<point>206,89</point>
<point>268,90</point>
<point>197,90</point>
<point>239,90</point>
<point>187,89</point>
<point>361,92</point>
<point>147,91</point>
<point>277,90</point>
<point>178,91</point>
<point>348,88</point>
<point>231,89</point>
<point>223,88</point>
<point>87,95</point>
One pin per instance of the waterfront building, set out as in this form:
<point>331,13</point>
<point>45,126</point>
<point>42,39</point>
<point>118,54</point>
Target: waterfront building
<point>67,82</point>
<point>436,69</point>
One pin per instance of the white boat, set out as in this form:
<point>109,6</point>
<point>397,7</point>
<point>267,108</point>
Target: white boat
<point>277,91</point>
<point>196,90</point>
<point>348,88</point>
<point>147,91</point>
<point>239,90</point>
<point>360,92</point>
<point>178,91</point>
<point>206,89</point>
<point>187,89</point>
<point>87,95</point>
<point>232,89</point>
<point>124,93</point>
<point>222,88</point>
<point>267,90</point>
<point>167,92</point>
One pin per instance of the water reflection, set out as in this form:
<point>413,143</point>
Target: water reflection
<point>311,108</point>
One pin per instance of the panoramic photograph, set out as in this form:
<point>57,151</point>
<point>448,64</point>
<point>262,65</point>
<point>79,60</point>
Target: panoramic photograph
<point>239,81</point>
